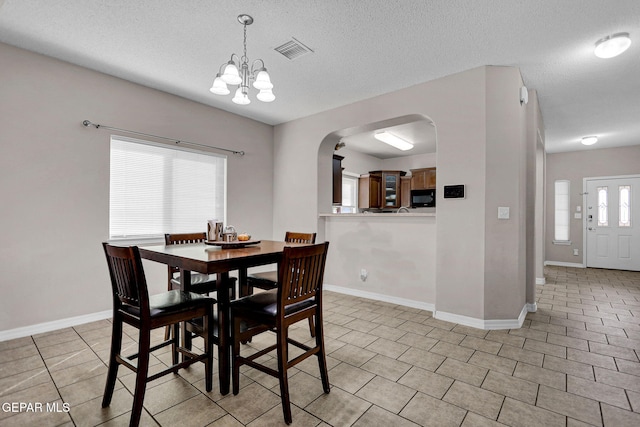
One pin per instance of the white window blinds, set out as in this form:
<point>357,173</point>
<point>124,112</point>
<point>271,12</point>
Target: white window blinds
<point>156,190</point>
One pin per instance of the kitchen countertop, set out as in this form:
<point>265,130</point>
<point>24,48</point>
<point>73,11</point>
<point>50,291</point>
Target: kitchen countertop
<point>378,215</point>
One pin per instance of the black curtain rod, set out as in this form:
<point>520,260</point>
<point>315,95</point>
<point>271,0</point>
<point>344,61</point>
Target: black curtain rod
<point>87,123</point>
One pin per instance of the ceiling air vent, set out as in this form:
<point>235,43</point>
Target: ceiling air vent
<point>293,49</point>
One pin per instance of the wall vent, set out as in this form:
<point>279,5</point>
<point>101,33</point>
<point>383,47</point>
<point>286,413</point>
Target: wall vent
<point>293,49</point>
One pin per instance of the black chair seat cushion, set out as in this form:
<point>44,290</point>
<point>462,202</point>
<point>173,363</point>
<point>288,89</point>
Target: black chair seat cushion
<point>264,280</point>
<point>266,304</point>
<point>170,302</point>
<point>200,283</point>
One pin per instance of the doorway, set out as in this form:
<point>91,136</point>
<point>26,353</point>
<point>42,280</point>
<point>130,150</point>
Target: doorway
<point>612,221</point>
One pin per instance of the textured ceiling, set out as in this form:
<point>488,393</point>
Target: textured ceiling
<point>361,49</point>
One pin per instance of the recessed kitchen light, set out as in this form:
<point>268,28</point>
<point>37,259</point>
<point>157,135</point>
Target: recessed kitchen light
<point>613,45</point>
<point>589,140</point>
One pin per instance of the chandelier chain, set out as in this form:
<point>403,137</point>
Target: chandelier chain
<point>244,57</point>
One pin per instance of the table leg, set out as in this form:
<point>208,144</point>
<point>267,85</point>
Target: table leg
<point>224,331</point>
<point>242,282</point>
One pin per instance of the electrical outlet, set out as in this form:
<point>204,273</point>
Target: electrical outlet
<point>576,252</point>
<point>364,274</point>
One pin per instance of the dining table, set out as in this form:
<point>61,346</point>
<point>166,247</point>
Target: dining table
<point>215,258</point>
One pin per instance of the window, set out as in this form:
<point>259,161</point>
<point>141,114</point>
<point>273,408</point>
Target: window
<point>625,206</point>
<point>603,206</point>
<point>349,193</point>
<point>156,190</point>
<point>561,234</point>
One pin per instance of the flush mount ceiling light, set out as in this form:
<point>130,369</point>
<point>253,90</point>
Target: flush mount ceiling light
<point>236,72</point>
<point>613,45</point>
<point>393,140</point>
<point>589,140</point>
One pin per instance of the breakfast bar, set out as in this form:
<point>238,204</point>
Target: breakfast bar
<point>385,256</point>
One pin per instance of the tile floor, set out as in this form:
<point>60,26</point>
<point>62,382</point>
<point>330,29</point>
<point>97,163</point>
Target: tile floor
<point>575,362</point>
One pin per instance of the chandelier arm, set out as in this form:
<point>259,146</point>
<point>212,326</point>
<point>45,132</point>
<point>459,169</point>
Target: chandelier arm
<point>253,66</point>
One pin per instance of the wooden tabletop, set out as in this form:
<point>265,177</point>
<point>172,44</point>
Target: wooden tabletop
<point>210,259</point>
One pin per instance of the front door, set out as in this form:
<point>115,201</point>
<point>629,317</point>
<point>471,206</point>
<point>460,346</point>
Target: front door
<point>613,223</point>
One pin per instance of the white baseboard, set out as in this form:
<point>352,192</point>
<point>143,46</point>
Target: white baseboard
<point>481,323</point>
<point>540,281</point>
<point>54,325</point>
<point>564,264</point>
<point>380,297</point>
<point>440,315</point>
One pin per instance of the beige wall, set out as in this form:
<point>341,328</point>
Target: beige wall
<point>505,185</point>
<point>54,179</point>
<point>469,125</point>
<point>398,253</point>
<point>575,166</point>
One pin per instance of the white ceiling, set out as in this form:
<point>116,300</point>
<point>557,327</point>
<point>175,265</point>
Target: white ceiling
<point>361,49</point>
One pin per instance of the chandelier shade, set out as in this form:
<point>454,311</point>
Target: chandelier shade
<point>262,81</point>
<point>231,75</point>
<point>237,72</point>
<point>219,87</point>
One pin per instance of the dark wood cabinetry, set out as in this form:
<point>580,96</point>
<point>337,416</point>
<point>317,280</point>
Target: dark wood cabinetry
<point>369,191</point>
<point>405,191</point>
<point>423,179</point>
<point>337,179</point>
<point>380,189</point>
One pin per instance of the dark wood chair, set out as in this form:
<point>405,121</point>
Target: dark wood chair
<point>133,305</point>
<point>297,297</point>
<point>269,279</point>
<point>200,283</point>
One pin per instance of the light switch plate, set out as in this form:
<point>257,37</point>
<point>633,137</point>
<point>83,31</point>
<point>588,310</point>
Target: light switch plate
<point>503,212</point>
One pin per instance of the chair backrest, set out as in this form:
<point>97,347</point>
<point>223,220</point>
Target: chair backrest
<point>181,238</point>
<point>295,237</point>
<point>300,273</point>
<point>128,283</point>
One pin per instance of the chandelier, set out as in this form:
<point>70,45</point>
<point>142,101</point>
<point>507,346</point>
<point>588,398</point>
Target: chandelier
<point>236,72</point>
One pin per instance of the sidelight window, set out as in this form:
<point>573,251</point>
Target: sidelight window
<point>561,233</point>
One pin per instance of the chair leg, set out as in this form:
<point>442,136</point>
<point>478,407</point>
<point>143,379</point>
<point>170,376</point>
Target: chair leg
<point>141,376</point>
<point>282,372</point>
<point>322,357</point>
<point>235,365</point>
<point>208,347</point>
<point>312,328</point>
<point>167,332</point>
<point>175,342</point>
<point>112,375</point>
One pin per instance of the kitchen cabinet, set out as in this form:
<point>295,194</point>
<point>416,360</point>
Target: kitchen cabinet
<point>405,191</point>
<point>380,189</point>
<point>369,191</point>
<point>337,179</point>
<point>423,179</point>
<point>391,188</point>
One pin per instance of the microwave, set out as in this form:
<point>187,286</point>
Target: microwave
<point>423,198</point>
